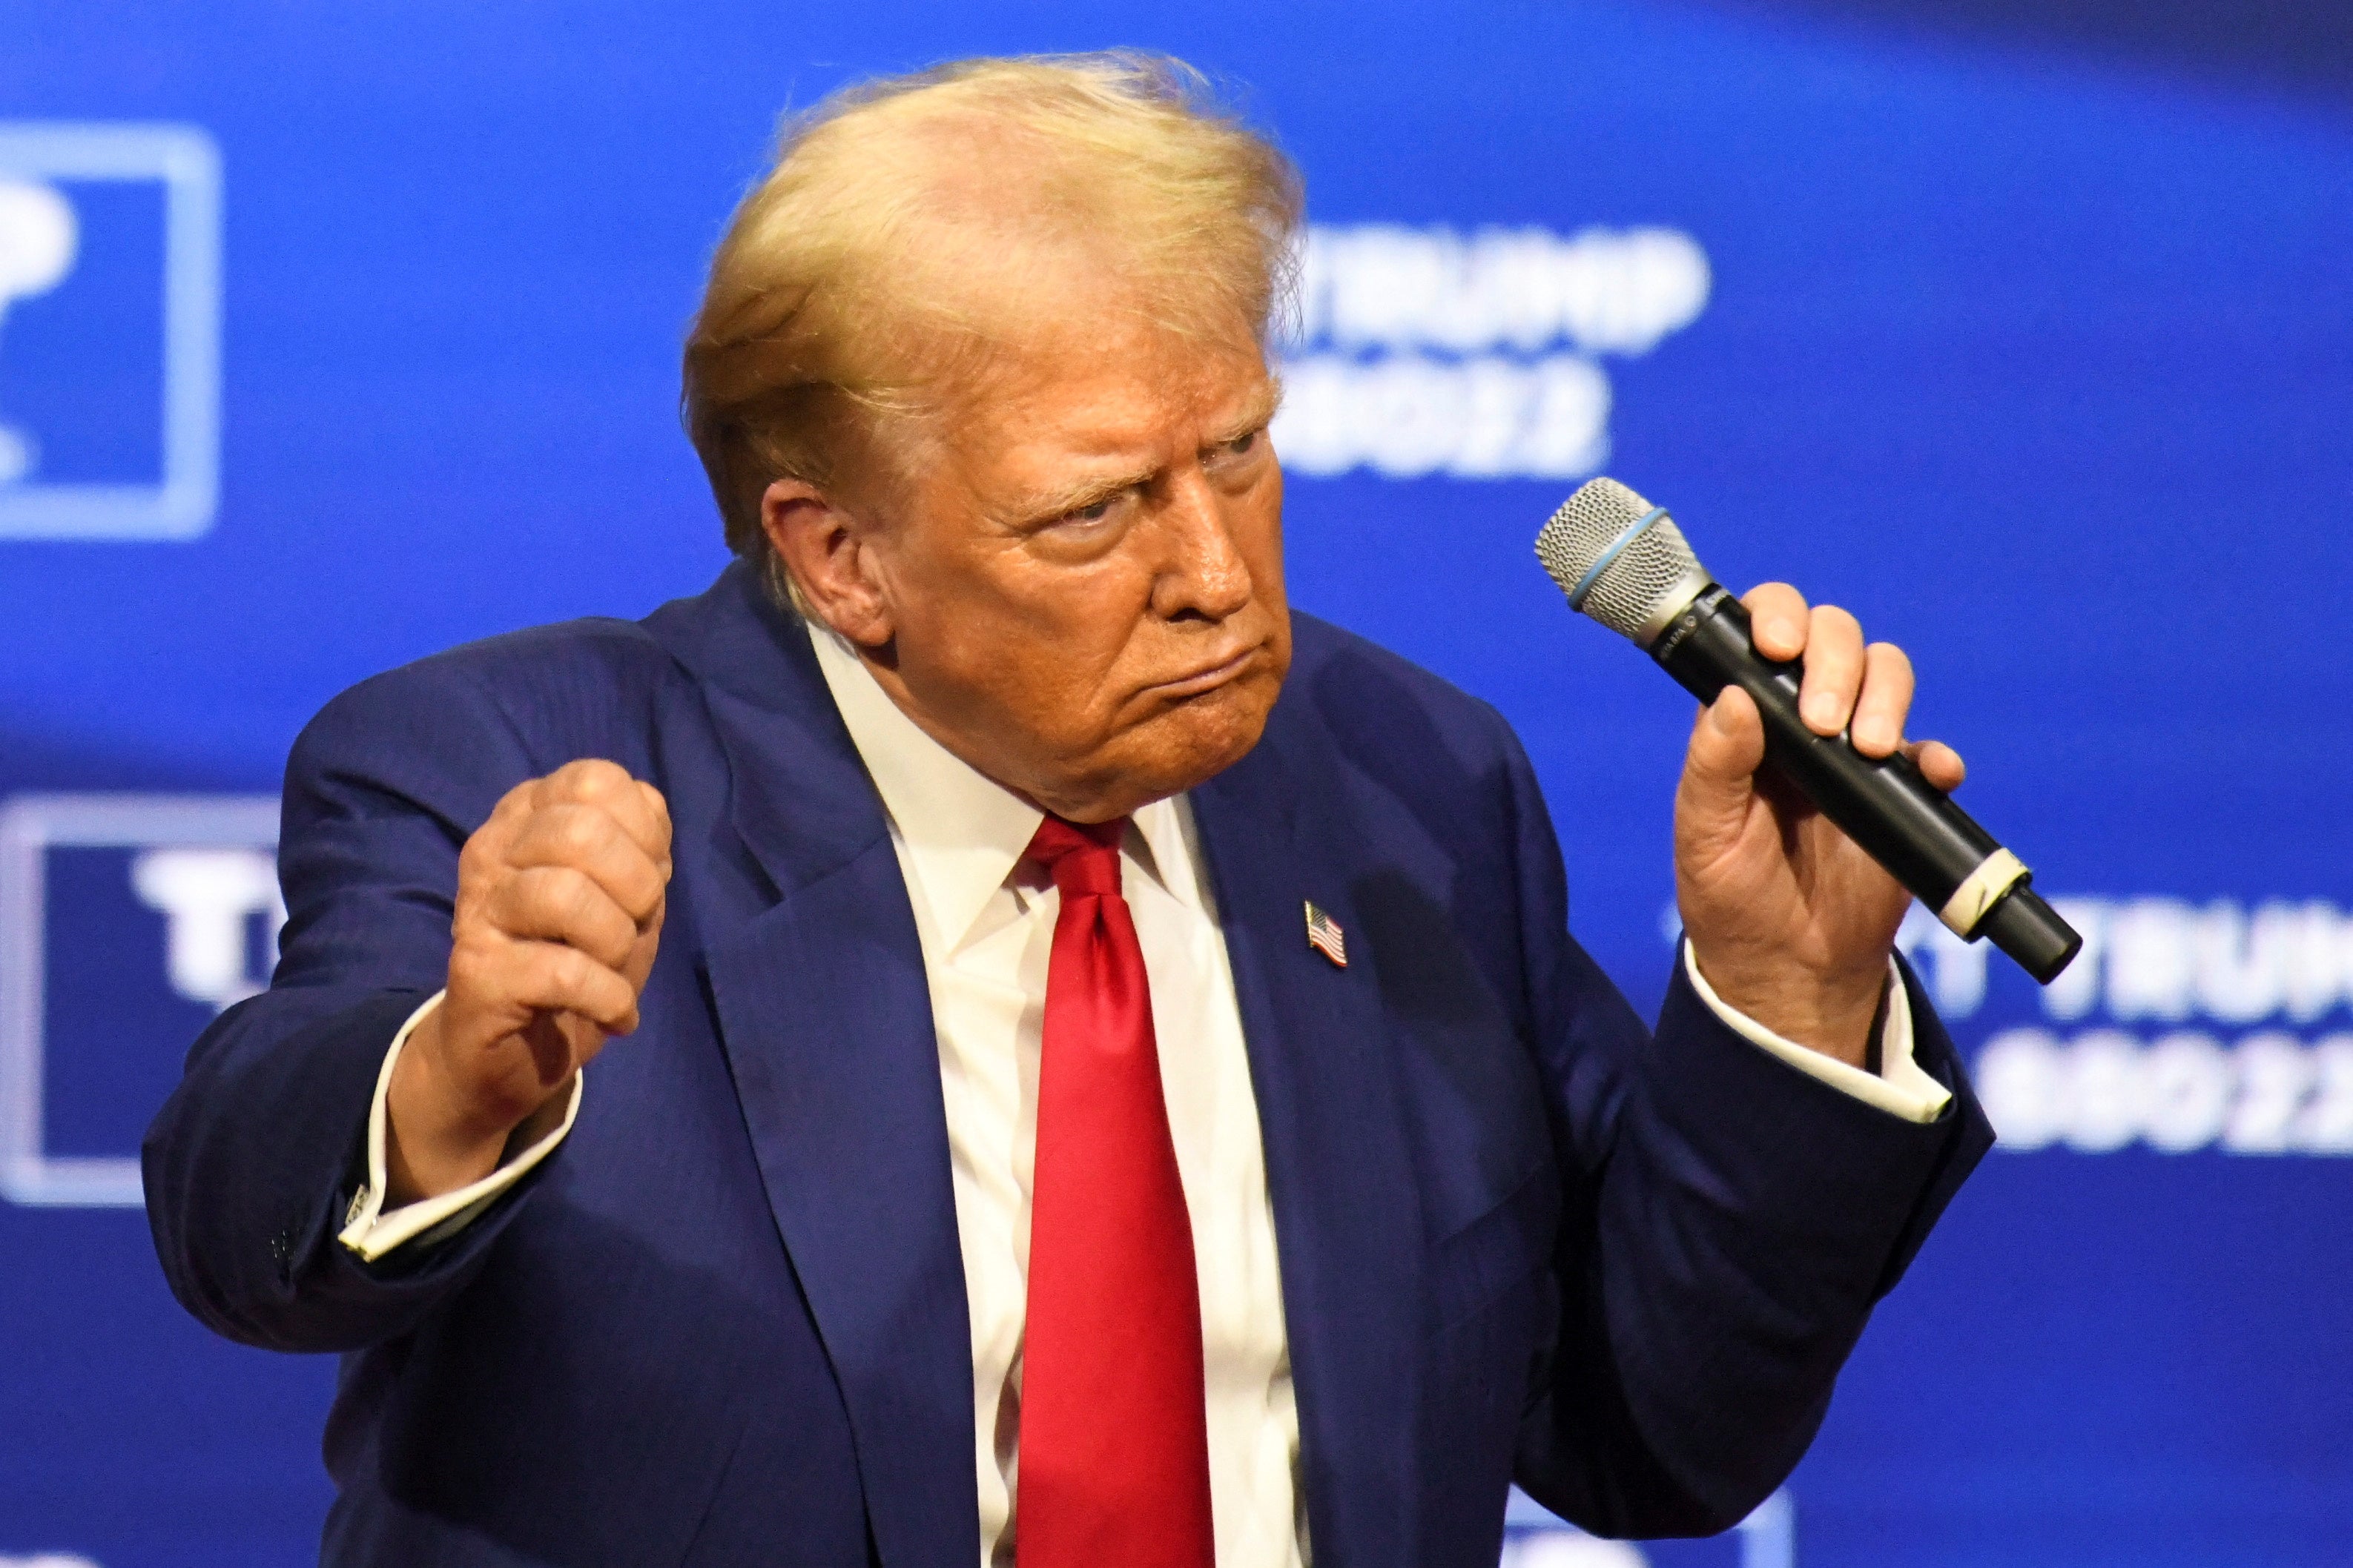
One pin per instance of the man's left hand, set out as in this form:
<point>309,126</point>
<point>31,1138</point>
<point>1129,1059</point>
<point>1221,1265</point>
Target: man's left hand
<point>1790,921</point>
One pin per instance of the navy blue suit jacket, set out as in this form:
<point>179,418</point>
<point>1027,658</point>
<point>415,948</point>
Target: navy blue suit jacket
<point>725,1322</point>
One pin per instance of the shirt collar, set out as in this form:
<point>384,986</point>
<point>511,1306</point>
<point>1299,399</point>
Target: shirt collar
<point>965,832</point>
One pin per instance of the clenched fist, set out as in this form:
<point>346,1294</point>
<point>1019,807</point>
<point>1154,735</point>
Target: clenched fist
<point>560,902</point>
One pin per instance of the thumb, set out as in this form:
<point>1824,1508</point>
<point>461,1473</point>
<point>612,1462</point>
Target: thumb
<point>1727,746</point>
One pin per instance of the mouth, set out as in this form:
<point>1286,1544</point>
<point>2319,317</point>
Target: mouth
<point>1207,679</point>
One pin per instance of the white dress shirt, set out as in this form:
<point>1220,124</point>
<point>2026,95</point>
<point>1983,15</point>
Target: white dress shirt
<point>986,925</point>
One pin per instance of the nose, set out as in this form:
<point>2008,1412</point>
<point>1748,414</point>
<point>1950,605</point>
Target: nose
<point>1203,575</point>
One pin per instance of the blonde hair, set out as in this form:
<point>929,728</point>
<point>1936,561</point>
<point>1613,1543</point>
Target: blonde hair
<point>914,228</point>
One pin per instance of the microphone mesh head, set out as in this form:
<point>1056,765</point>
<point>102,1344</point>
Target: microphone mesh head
<point>1645,573</point>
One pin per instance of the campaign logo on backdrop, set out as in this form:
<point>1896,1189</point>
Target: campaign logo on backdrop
<point>109,330</point>
<point>2223,1025</point>
<point>1479,357</point>
<point>127,923</point>
<point>2179,1028</point>
<point>2182,1026</point>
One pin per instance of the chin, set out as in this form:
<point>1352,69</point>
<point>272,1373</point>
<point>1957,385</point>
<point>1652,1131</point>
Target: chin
<point>1205,735</point>
<point>1184,746</point>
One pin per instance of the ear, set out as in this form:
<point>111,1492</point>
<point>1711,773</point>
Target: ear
<point>831,559</point>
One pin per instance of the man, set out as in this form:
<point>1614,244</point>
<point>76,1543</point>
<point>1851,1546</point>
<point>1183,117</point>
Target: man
<point>1109,1081</point>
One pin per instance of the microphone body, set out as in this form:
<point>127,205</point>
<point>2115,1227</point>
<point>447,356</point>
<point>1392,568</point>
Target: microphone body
<point>1624,561</point>
<point>1883,803</point>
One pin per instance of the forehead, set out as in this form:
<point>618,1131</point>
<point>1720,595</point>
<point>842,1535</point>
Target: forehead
<point>1091,353</point>
<point>1114,386</point>
<point>1093,413</point>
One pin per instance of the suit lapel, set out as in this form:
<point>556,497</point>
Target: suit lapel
<point>818,979</point>
<point>1346,1210</point>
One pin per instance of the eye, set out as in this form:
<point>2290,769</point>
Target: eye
<point>1243,443</point>
<point>1094,513</point>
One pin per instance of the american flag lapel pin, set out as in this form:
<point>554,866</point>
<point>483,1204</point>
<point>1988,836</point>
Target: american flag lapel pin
<point>1325,936</point>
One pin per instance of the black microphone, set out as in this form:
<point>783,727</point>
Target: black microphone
<point>1624,563</point>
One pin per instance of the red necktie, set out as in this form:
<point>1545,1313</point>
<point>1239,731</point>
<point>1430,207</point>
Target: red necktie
<point>1114,1459</point>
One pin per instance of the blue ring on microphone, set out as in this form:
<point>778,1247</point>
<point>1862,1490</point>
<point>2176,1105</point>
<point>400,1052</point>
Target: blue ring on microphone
<point>1633,531</point>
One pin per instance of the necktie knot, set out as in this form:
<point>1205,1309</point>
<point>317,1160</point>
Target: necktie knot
<point>1080,856</point>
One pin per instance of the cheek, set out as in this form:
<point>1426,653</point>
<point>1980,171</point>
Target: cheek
<point>1078,641</point>
<point>1043,683</point>
<point>1262,538</point>
<point>1023,644</point>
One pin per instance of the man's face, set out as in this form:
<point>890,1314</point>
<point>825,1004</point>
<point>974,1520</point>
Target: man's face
<point>1084,590</point>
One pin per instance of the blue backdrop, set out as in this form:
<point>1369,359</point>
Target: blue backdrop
<point>333,335</point>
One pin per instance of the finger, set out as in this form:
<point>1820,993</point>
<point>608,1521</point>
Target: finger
<point>638,808</point>
<point>640,962</point>
<point>545,976</point>
<point>501,982</point>
<point>514,808</point>
<point>558,903</point>
<point>658,809</point>
<point>1777,616</point>
<point>1939,764</point>
<point>1728,745</point>
<point>1877,728</point>
<point>589,839</point>
<point>577,1042</point>
<point>1833,677</point>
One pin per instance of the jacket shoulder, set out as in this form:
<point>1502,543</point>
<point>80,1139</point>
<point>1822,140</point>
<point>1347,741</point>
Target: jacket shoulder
<point>1388,715</point>
<point>518,704</point>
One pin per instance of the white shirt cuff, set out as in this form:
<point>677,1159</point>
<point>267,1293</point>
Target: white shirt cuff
<point>1902,1088</point>
<point>372,1231</point>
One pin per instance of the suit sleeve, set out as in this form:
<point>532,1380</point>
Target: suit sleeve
<point>1729,1221</point>
<point>1900,1087</point>
<point>251,1164</point>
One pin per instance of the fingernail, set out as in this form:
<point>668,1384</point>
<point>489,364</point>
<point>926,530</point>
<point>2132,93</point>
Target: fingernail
<point>1821,709</point>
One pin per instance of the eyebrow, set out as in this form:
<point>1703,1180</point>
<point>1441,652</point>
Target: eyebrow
<point>1047,505</point>
<point>1044,507</point>
<point>1258,411</point>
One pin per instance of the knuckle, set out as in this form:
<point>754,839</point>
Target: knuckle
<point>511,897</point>
<point>478,858</point>
<point>572,895</point>
<point>608,937</point>
<point>572,971</point>
<point>643,894</point>
<point>551,903</point>
<point>474,965</point>
<point>476,915</point>
<point>594,778</point>
<point>580,831</point>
